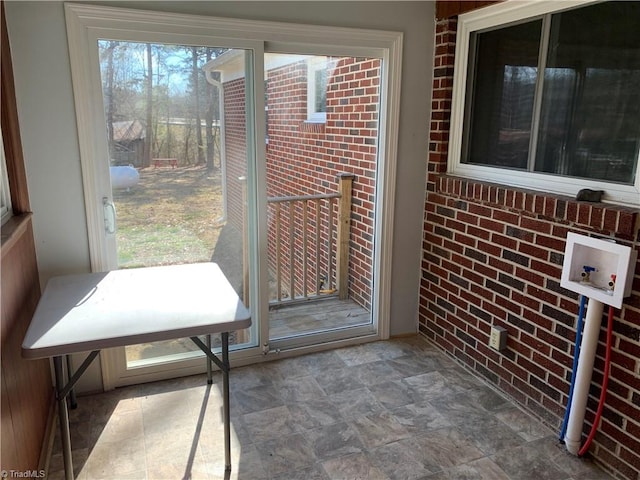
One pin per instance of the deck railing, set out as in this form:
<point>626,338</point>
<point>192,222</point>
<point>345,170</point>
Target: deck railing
<point>309,245</point>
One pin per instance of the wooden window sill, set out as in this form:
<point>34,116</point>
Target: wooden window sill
<point>13,230</point>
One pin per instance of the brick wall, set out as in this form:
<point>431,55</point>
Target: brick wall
<point>235,148</point>
<point>305,159</point>
<point>492,255</point>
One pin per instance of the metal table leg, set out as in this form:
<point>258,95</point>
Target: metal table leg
<point>209,369</point>
<point>224,367</point>
<point>225,388</point>
<point>73,403</point>
<point>62,391</point>
<point>63,413</point>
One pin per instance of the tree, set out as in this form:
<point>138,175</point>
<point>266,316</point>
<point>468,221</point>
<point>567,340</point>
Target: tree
<point>163,88</point>
<point>195,75</point>
<point>149,108</point>
<point>109,96</point>
<point>209,117</point>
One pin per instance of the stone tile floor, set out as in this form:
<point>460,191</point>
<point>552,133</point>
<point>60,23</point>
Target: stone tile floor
<point>397,410</point>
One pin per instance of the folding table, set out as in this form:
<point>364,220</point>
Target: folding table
<point>90,312</point>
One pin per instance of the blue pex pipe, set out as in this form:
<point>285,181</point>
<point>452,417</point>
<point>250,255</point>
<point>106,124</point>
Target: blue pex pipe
<point>576,354</point>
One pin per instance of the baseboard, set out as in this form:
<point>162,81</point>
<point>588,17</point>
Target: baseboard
<point>400,336</point>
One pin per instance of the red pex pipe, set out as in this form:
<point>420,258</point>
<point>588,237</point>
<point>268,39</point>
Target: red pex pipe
<point>605,382</point>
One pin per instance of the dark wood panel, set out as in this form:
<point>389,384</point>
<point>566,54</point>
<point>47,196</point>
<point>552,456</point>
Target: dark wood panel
<point>10,129</point>
<point>447,9</point>
<point>9,452</point>
<point>27,389</point>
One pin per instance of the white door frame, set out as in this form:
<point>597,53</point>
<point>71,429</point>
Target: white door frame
<point>88,23</point>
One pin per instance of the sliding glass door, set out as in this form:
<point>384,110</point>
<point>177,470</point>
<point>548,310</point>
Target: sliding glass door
<point>197,146</point>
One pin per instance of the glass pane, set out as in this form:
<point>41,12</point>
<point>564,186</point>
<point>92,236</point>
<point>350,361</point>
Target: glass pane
<point>500,106</point>
<point>5,197</point>
<point>175,184</point>
<point>321,90</point>
<point>590,116</point>
<point>315,284</point>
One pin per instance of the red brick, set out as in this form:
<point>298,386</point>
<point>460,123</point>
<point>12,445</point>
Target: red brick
<point>541,294</point>
<point>479,232</point>
<point>465,239</point>
<point>535,343</point>
<point>572,212</point>
<point>630,456</point>
<point>494,310</point>
<point>504,241</point>
<point>467,218</point>
<point>552,243</point>
<point>508,305</point>
<point>550,207</point>
<point>506,217</point>
<point>548,364</point>
<point>470,298</point>
<point>525,300</point>
<point>486,271</point>
<point>533,251</point>
<point>529,276</point>
<point>584,213</point>
<point>626,224</point>
<point>492,225</point>
<point>501,265</point>
<point>553,271</point>
<point>489,248</point>
<point>610,220</point>
<point>479,210</point>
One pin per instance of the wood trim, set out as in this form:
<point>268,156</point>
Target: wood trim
<point>13,231</point>
<point>10,128</point>
<point>450,8</point>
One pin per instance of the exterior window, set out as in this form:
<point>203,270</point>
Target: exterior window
<point>317,90</point>
<point>501,104</point>
<point>552,102</point>
<point>5,197</point>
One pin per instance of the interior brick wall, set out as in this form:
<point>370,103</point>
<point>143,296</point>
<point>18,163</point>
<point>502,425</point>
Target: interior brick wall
<point>492,255</point>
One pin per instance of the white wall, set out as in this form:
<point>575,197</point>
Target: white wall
<point>48,127</point>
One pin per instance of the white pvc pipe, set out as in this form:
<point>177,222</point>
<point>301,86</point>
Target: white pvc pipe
<point>587,357</point>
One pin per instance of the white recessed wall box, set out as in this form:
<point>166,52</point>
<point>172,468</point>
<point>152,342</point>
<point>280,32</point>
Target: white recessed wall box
<point>599,269</point>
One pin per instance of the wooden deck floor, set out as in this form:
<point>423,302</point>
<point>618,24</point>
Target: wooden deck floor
<point>285,321</point>
<point>313,316</point>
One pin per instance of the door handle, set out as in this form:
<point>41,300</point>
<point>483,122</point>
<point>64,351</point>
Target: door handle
<point>109,216</point>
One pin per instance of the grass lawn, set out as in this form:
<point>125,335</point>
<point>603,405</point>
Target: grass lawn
<point>171,216</point>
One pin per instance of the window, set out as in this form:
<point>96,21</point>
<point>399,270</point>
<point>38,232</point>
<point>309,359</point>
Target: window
<point>5,197</point>
<point>548,100</point>
<point>317,73</point>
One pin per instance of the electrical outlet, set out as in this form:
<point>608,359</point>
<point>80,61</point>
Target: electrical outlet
<point>498,339</point>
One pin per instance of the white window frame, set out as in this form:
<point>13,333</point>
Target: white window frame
<point>500,15</point>
<point>5,193</point>
<point>313,65</point>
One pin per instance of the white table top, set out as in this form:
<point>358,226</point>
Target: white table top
<point>79,313</point>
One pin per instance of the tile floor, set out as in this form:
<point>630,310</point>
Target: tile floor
<point>386,410</point>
